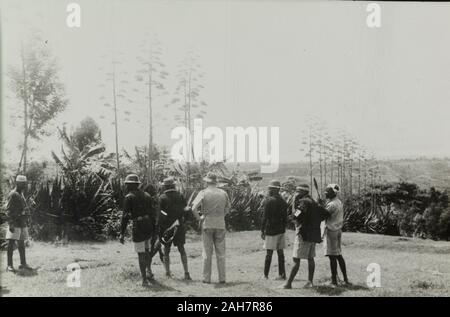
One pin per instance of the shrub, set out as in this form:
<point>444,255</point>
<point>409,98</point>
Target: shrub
<point>444,224</point>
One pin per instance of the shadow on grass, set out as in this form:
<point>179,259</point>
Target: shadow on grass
<point>335,291</point>
<point>425,285</point>
<point>157,286</point>
<point>27,273</point>
<point>229,284</point>
<point>3,291</point>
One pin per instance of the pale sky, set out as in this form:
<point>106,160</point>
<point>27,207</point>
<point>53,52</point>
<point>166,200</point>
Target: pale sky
<point>267,63</point>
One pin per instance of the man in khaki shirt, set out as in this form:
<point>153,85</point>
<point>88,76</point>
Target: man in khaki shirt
<point>214,204</point>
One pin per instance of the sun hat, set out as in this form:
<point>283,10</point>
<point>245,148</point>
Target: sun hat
<point>169,181</point>
<point>334,187</point>
<point>274,184</point>
<point>210,178</point>
<point>302,187</point>
<point>21,179</point>
<point>132,179</point>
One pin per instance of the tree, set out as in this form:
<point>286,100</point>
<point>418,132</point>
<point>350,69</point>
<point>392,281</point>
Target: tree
<point>87,133</point>
<point>152,73</point>
<point>76,162</point>
<point>117,93</point>
<point>36,84</point>
<point>338,156</point>
<point>188,96</point>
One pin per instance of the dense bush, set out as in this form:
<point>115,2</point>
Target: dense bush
<point>399,209</point>
<point>84,210</point>
<point>245,213</point>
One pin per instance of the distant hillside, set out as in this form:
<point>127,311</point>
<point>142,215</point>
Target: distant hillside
<point>424,172</point>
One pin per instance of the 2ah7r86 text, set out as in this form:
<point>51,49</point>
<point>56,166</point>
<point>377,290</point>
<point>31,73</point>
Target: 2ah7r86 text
<point>246,306</point>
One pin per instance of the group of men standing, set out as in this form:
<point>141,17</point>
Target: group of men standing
<point>307,215</point>
<point>158,222</point>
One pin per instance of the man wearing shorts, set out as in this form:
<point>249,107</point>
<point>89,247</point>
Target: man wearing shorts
<point>307,215</point>
<point>173,208</point>
<point>333,233</point>
<point>16,214</point>
<point>138,207</point>
<point>273,228</point>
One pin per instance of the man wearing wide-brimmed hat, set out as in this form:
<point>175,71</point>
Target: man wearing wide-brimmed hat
<point>17,213</point>
<point>173,209</point>
<point>138,207</point>
<point>273,228</point>
<point>307,215</point>
<point>214,204</point>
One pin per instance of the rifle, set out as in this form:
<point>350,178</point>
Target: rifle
<point>319,199</point>
<point>317,188</point>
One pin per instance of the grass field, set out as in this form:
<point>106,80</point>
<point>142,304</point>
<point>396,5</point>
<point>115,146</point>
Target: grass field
<point>409,267</point>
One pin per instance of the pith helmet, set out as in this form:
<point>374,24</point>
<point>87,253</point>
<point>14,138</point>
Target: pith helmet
<point>274,184</point>
<point>132,179</point>
<point>21,179</point>
<point>211,178</point>
<point>302,187</point>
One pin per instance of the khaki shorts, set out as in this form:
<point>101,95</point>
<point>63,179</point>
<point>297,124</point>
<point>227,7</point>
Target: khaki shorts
<point>303,249</point>
<point>141,247</point>
<point>333,242</point>
<point>276,242</point>
<point>18,234</point>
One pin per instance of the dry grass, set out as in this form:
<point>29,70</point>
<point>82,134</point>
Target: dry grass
<point>409,267</point>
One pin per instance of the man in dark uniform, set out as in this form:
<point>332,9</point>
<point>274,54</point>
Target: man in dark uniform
<point>138,207</point>
<point>153,192</point>
<point>307,215</point>
<point>173,208</point>
<point>274,227</point>
<point>17,213</point>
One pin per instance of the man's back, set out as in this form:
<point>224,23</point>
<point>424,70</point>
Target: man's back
<point>15,205</point>
<point>214,205</point>
<point>336,211</point>
<point>310,218</point>
<point>275,215</point>
<point>173,204</point>
<point>138,207</point>
<point>138,203</point>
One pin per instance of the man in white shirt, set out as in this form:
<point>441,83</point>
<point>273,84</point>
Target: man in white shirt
<point>334,224</point>
<point>214,204</point>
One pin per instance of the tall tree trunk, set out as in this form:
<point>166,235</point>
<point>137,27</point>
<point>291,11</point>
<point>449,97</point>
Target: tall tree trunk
<point>351,177</point>
<point>115,117</point>
<point>191,148</point>
<point>310,161</point>
<point>25,112</point>
<point>359,176</point>
<point>320,165</point>
<point>150,120</point>
<point>186,122</point>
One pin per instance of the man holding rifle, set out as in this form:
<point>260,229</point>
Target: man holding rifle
<point>173,208</point>
<point>307,215</point>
